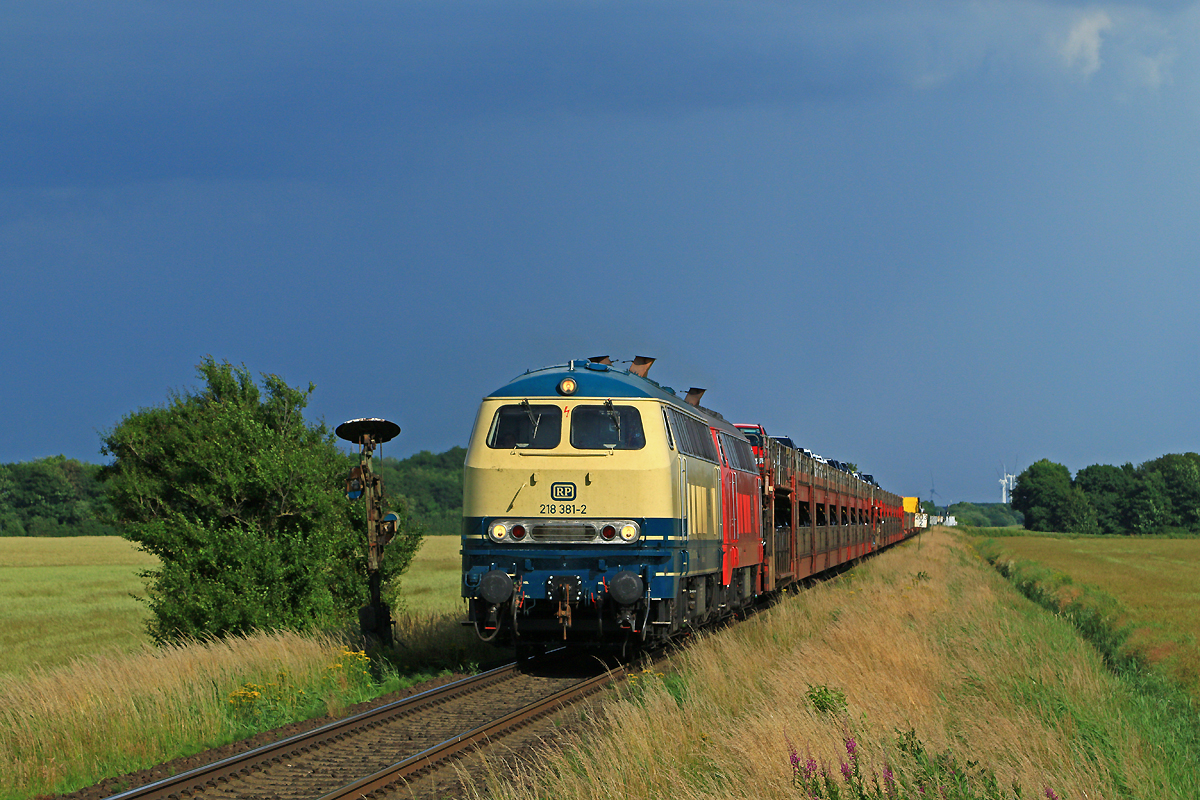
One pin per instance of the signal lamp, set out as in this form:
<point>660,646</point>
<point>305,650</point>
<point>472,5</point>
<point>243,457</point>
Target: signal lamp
<point>609,533</point>
<point>518,532</point>
<point>567,386</point>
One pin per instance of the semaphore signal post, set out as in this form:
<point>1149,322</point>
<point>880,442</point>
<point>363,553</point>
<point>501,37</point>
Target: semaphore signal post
<point>368,433</point>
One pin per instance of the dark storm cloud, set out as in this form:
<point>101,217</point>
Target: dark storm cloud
<point>134,91</point>
<point>140,91</point>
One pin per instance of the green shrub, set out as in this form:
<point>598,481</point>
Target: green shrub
<point>826,700</point>
<point>243,504</point>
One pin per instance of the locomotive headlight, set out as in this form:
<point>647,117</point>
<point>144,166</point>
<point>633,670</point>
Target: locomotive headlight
<point>567,386</point>
<point>629,532</point>
<point>499,532</point>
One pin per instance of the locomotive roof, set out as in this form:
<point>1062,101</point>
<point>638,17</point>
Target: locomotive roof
<point>600,380</point>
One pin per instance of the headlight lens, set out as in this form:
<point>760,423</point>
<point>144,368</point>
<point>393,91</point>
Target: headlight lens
<point>499,533</point>
<point>629,532</point>
<point>567,386</point>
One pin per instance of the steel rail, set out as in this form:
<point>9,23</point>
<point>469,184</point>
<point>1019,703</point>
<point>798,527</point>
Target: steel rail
<point>196,779</point>
<point>432,757</point>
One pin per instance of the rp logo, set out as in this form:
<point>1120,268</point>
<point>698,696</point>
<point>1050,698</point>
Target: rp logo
<point>562,492</point>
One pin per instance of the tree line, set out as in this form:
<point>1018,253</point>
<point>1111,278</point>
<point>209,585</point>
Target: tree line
<point>431,487</point>
<point>1160,496</point>
<point>54,496</point>
<point>60,496</point>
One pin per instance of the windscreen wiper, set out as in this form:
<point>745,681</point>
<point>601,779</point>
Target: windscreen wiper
<point>532,418</point>
<point>616,418</point>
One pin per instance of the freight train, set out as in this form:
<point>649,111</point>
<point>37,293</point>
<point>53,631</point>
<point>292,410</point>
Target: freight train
<point>600,509</point>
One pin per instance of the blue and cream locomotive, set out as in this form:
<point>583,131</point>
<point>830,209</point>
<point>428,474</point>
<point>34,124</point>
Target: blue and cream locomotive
<point>601,509</point>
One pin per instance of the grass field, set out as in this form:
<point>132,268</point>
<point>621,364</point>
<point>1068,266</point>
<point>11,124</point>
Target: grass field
<point>431,584</point>
<point>1155,581</point>
<point>65,598</point>
<point>1159,579</point>
<point>61,598</point>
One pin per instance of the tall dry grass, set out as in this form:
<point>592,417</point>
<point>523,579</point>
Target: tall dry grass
<point>440,641</point>
<point>924,639</point>
<point>67,727</point>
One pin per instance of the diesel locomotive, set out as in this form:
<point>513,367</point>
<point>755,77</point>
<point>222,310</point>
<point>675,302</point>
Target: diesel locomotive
<point>602,509</point>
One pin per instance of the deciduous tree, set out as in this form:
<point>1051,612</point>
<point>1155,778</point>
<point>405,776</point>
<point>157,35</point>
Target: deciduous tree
<point>1148,506</point>
<point>1181,484</point>
<point>1041,494</point>
<point>1108,488</point>
<point>1077,514</point>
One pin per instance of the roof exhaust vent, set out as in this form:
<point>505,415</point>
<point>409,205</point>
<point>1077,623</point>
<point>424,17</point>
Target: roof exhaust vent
<point>693,396</point>
<point>641,365</point>
<point>601,360</point>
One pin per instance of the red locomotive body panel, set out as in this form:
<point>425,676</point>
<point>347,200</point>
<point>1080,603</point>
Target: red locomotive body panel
<point>741,520</point>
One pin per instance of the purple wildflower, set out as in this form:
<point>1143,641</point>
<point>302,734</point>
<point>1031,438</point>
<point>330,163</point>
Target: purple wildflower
<point>852,748</point>
<point>846,771</point>
<point>810,768</point>
<point>1050,795</point>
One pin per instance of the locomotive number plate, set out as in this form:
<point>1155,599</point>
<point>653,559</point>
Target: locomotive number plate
<point>563,509</point>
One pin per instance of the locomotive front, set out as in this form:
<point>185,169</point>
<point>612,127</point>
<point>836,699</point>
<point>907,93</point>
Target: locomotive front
<point>568,521</point>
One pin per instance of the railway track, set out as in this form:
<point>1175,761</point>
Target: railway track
<point>405,747</point>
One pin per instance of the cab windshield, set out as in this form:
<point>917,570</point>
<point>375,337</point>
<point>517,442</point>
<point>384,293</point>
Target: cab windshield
<point>526,426</point>
<point>606,427</point>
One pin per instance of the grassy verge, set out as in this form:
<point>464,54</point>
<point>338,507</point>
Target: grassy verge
<point>920,673</point>
<point>68,727</point>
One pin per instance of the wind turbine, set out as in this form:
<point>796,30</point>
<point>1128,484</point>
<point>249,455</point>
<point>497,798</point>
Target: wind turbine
<point>933,491</point>
<point>1008,482</point>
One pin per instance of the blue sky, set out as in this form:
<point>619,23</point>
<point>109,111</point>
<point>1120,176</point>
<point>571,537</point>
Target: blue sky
<point>927,237</point>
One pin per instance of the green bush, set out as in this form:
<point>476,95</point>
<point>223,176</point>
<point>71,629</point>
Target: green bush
<point>244,505</point>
